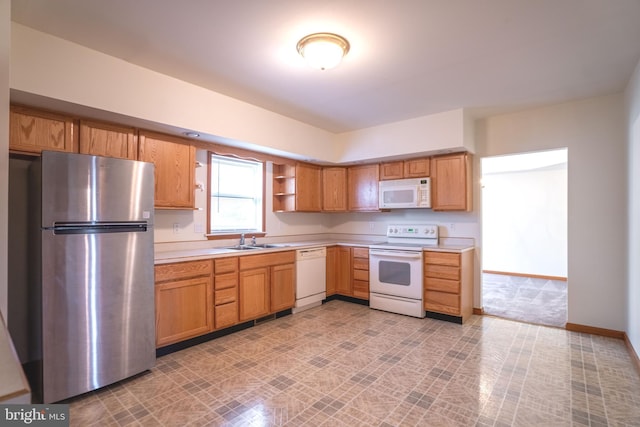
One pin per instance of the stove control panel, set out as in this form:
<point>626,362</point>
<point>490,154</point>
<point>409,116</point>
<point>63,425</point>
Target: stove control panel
<point>421,231</point>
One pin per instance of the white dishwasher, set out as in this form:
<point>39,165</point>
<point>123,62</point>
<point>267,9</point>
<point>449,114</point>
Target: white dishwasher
<point>311,278</point>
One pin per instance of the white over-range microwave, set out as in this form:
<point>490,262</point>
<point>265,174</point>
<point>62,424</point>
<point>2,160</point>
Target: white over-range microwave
<point>404,193</point>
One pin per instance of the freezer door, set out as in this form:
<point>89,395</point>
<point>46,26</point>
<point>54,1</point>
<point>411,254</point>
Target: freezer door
<point>84,188</point>
<point>98,323</point>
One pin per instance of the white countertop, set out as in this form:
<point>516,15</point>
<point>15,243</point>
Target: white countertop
<point>185,254</point>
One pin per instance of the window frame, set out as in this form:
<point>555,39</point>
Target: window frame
<point>234,234</point>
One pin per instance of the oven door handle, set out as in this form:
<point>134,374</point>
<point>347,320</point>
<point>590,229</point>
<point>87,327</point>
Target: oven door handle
<point>395,254</point>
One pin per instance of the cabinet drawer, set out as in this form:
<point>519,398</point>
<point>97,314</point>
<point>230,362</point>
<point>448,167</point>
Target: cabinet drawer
<point>257,261</point>
<point>182,270</point>
<point>361,264</point>
<point>442,258</point>
<point>442,285</point>
<point>442,302</point>
<point>361,275</point>
<point>224,281</point>
<point>226,315</point>
<point>225,296</point>
<point>442,272</point>
<point>361,289</point>
<point>226,265</point>
<point>361,253</point>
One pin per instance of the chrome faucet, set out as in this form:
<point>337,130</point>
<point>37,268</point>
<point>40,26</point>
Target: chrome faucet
<point>253,240</point>
<point>242,239</point>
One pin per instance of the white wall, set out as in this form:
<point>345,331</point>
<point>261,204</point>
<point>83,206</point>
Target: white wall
<point>55,68</point>
<point>276,224</point>
<point>524,221</point>
<point>447,131</point>
<point>5,44</point>
<point>593,132</point>
<point>633,254</point>
<point>40,66</point>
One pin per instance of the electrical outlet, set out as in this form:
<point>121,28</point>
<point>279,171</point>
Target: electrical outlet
<point>372,226</point>
<point>452,226</point>
<point>198,228</point>
<point>176,228</point>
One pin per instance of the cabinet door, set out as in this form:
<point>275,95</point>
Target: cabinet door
<point>254,293</point>
<point>32,131</point>
<point>334,189</point>
<point>451,187</point>
<point>101,139</point>
<point>174,170</point>
<point>393,170</point>
<point>417,168</point>
<point>363,187</point>
<point>308,187</point>
<point>184,309</point>
<point>282,287</point>
<point>343,284</point>
<point>332,270</point>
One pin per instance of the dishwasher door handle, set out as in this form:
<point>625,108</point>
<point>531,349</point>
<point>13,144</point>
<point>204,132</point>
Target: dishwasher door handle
<point>303,254</point>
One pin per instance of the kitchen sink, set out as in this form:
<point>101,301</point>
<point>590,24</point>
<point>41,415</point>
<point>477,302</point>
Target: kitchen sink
<point>269,245</point>
<point>241,247</point>
<point>257,246</point>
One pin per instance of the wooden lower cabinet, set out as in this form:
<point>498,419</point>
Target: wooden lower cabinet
<point>254,293</point>
<point>226,292</point>
<point>184,301</point>
<point>283,292</point>
<point>360,262</point>
<point>331,263</point>
<point>344,272</point>
<point>266,284</point>
<point>448,283</point>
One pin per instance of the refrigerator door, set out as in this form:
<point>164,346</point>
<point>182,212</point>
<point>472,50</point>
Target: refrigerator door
<point>84,188</point>
<point>98,322</point>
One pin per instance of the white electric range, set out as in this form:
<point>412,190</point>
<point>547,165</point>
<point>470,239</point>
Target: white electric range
<point>395,269</point>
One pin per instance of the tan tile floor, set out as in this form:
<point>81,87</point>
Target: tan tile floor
<point>344,364</point>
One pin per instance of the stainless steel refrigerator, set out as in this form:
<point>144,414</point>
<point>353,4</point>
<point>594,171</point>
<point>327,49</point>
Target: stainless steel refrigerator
<point>92,285</point>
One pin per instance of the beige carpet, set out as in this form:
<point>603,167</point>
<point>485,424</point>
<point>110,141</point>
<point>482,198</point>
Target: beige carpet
<point>539,301</point>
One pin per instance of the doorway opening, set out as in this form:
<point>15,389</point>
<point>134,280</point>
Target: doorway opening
<point>524,234</point>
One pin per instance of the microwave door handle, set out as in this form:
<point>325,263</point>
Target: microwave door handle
<point>394,254</point>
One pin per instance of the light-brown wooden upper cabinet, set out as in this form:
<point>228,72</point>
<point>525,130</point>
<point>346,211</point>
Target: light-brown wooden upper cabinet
<point>174,162</point>
<point>414,168</point>
<point>363,187</point>
<point>417,168</point>
<point>32,131</point>
<point>451,182</point>
<point>334,189</point>
<point>391,170</point>
<point>308,187</point>
<point>297,188</point>
<point>284,187</point>
<point>102,139</point>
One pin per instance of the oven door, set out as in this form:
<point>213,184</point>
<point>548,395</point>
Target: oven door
<point>396,272</point>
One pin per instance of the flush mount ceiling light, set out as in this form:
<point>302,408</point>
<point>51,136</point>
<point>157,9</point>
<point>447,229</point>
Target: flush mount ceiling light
<point>323,50</point>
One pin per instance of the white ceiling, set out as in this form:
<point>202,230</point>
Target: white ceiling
<point>408,58</point>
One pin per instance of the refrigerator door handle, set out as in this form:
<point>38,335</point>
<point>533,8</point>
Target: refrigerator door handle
<point>100,227</point>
